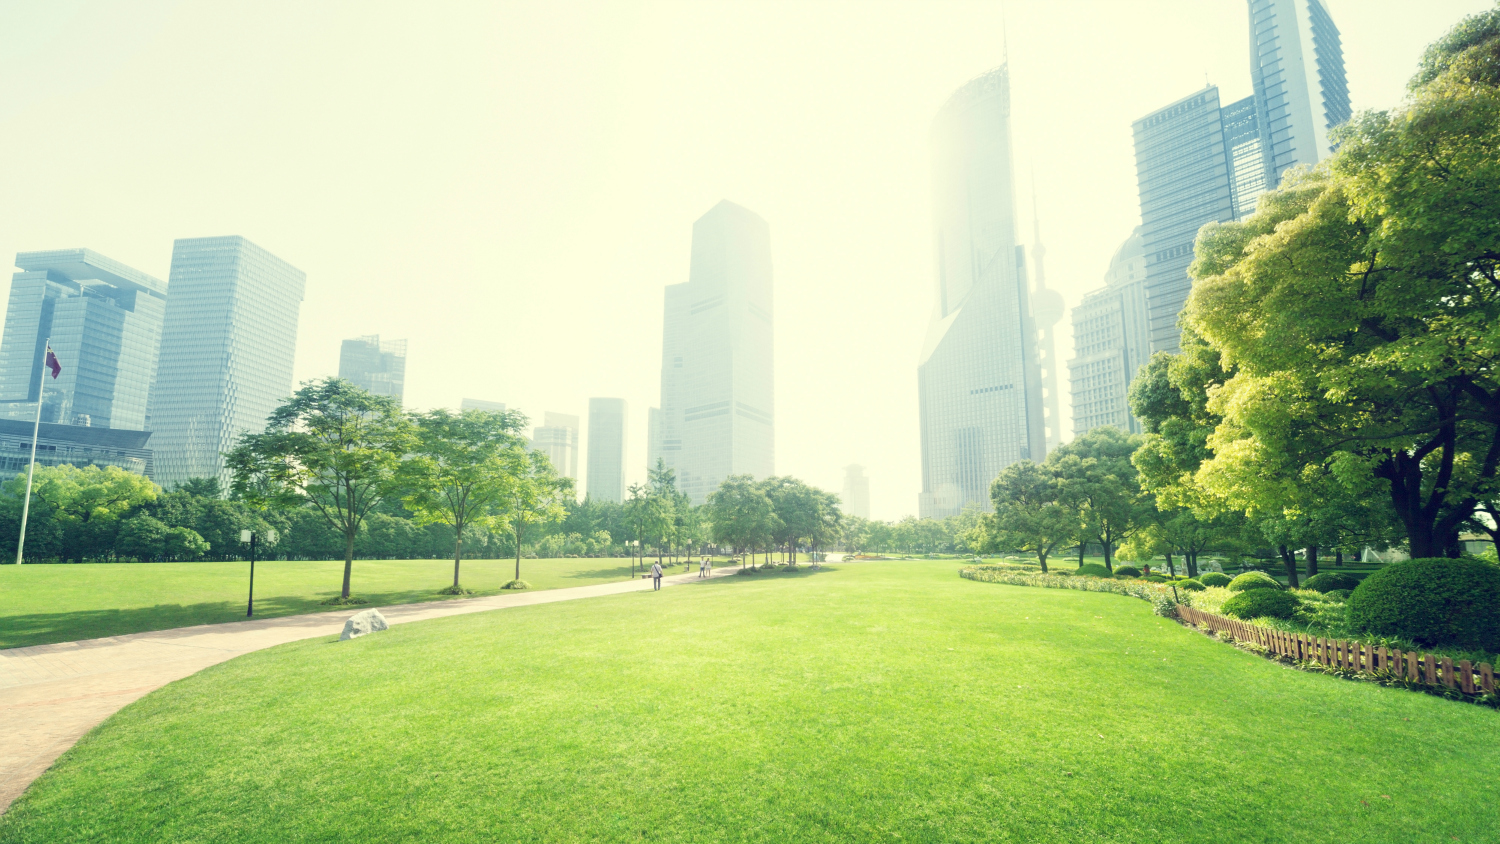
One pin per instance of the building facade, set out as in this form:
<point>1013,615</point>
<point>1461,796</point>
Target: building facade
<point>558,438</point>
<point>856,495</point>
<point>979,378</point>
<point>608,435</point>
<point>377,366</point>
<point>717,405</point>
<point>229,337</point>
<point>104,320</point>
<point>1112,336</point>
<point>1199,162</point>
<point>481,404</point>
<point>73,445</point>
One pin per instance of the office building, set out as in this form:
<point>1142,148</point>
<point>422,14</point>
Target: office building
<point>1112,336</point>
<point>229,337</point>
<point>607,438</point>
<point>979,379</point>
<point>856,497</point>
<point>717,410</point>
<point>1046,312</point>
<point>557,438</point>
<point>653,437</point>
<point>480,404</point>
<point>379,367</point>
<point>104,320</point>
<point>1198,161</point>
<point>72,445</point>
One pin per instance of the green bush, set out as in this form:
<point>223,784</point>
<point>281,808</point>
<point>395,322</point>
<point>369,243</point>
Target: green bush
<point>1341,594</point>
<point>1156,578</point>
<point>1214,578</point>
<point>1127,571</point>
<point>1261,603</point>
<point>1329,581</point>
<point>1191,585</point>
<point>1253,580</point>
<point>1432,602</point>
<point>1092,570</point>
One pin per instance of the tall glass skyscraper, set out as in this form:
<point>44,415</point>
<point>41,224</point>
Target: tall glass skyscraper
<point>979,380</point>
<point>377,366</point>
<point>558,438</point>
<point>105,321</point>
<point>1112,337</point>
<point>1199,162</point>
<point>228,342</point>
<point>607,438</point>
<point>716,378</point>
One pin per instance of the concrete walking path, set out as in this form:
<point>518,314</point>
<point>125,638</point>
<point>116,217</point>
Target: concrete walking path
<point>50,695</point>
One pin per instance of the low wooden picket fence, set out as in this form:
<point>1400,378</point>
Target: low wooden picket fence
<point>1354,656</point>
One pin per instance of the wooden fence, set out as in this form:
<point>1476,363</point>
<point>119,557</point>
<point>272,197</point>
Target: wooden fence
<point>1354,656</point>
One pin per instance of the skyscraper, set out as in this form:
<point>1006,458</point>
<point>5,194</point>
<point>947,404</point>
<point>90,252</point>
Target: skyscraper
<point>607,438</point>
<point>716,383</point>
<point>856,497</point>
<point>1199,162</point>
<point>1046,310</point>
<point>481,404</point>
<point>558,439</point>
<point>104,320</point>
<point>653,436</point>
<point>979,379</point>
<point>229,337</point>
<point>1113,340</point>
<point>376,366</point>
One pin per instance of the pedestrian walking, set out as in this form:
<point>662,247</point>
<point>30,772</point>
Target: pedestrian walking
<point>702,564</point>
<point>656,575</point>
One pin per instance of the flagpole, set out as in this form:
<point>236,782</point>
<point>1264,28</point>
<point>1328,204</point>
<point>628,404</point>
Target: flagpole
<point>41,384</point>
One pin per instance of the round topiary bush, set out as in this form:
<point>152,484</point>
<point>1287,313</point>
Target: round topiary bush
<point>1156,578</point>
<point>1262,603</point>
<point>1092,570</point>
<point>1127,571</point>
<point>1432,602</point>
<point>1341,594</point>
<point>1253,580</point>
<point>1190,585</point>
<point>1214,578</point>
<point>1329,581</point>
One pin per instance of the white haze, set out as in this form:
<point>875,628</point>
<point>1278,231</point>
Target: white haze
<point>510,186</point>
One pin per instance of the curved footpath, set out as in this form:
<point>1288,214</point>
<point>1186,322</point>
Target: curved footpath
<point>50,695</point>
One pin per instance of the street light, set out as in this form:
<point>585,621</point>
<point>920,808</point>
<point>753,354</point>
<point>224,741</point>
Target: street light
<point>250,536</point>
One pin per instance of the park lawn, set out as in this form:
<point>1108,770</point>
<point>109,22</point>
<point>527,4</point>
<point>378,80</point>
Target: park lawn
<point>40,604</point>
<point>868,701</point>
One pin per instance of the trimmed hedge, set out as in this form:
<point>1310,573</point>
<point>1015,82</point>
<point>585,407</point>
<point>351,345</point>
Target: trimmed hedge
<point>1432,601</point>
<point>1127,571</point>
<point>1253,580</point>
<point>1214,578</point>
<point>1191,585</point>
<point>1328,581</point>
<point>1341,594</point>
<point>1262,603</point>
<point>1092,570</point>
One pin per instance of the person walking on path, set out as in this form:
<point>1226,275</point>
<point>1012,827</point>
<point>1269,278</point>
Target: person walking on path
<point>700,567</point>
<point>656,575</point>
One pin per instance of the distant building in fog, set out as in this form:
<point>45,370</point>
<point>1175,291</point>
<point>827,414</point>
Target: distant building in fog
<point>1112,337</point>
<point>376,366</point>
<point>607,438</point>
<point>480,404</point>
<point>856,497</point>
<point>558,439</point>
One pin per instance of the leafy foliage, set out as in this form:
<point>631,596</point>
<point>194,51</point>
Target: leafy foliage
<point>1330,581</point>
<point>1262,603</point>
<point>1433,602</point>
<point>1252,580</point>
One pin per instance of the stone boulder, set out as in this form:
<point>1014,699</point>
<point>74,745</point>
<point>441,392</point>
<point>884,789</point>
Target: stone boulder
<point>359,624</point>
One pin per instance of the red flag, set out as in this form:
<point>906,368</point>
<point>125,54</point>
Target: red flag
<point>52,363</point>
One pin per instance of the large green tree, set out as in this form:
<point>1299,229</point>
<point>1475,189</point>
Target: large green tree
<point>461,471</point>
<point>1029,515</point>
<point>334,447</point>
<point>1097,481</point>
<point>535,497</point>
<point>741,515</point>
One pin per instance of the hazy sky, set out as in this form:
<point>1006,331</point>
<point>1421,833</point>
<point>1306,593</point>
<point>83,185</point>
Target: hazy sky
<point>509,186</point>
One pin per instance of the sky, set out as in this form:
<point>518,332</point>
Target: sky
<point>509,186</point>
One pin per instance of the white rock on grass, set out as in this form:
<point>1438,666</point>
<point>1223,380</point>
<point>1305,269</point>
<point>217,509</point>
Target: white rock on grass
<point>369,621</point>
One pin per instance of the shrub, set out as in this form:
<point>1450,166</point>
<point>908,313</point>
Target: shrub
<point>1092,570</point>
<point>1214,578</point>
<point>1341,594</point>
<point>1190,585</point>
<point>1329,581</point>
<point>517,584</point>
<point>1432,602</point>
<point>1262,603</point>
<point>1156,578</point>
<point>1253,580</point>
<point>1127,571</point>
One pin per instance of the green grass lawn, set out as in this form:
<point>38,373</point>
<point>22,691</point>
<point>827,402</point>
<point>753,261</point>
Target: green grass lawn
<point>871,701</point>
<point>60,603</point>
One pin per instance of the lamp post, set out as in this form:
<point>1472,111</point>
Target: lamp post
<point>249,536</point>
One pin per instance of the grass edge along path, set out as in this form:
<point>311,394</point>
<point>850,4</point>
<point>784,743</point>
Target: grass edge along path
<point>866,701</point>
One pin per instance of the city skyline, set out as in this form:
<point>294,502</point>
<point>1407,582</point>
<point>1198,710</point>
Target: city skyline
<point>841,176</point>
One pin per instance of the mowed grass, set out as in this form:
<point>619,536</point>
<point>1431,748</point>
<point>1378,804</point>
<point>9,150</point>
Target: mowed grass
<point>40,604</point>
<point>871,701</point>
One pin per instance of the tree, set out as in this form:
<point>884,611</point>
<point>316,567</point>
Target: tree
<point>533,498</point>
<point>1028,514</point>
<point>461,470</point>
<point>86,503</point>
<point>333,446</point>
<point>1097,481</point>
<point>740,514</point>
<point>1358,309</point>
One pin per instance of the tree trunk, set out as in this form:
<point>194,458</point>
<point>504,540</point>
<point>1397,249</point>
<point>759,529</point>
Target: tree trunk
<point>1081,545</point>
<point>518,550</point>
<point>1289,560</point>
<point>458,554</point>
<point>1191,557</point>
<point>348,560</point>
<point>1312,560</point>
<point>1171,569</point>
<point>1042,556</point>
<point>1338,557</point>
<point>1109,556</point>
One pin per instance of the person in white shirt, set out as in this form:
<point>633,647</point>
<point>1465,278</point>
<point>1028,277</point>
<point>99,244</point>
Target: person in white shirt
<point>656,575</point>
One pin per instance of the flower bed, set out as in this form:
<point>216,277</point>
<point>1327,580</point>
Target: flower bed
<point>1159,595</point>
